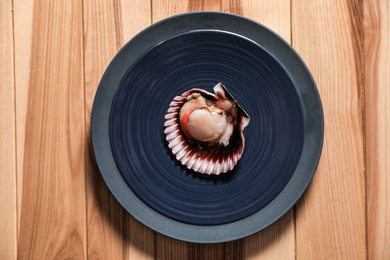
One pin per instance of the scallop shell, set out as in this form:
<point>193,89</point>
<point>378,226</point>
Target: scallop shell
<point>200,156</point>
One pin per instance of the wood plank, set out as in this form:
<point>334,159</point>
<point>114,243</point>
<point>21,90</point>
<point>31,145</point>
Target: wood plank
<point>23,11</point>
<point>49,98</point>
<point>104,214</point>
<point>377,121</point>
<point>277,241</point>
<point>112,232</point>
<point>330,218</point>
<point>8,203</point>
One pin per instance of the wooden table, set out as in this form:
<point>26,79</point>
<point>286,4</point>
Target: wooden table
<point>53,201</point>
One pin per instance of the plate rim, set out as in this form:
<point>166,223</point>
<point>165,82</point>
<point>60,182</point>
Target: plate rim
<point>312,117</point>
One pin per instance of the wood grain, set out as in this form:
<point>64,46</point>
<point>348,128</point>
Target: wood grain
<point>23,11</point>
<point>8,215</point>
<point>112,232</point>
<point>330,218</point>
<point>377,121</point>
<point>104,214</point>
<point>52,202</point>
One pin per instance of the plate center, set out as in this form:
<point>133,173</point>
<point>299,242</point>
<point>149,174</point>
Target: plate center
<point>273,139</point>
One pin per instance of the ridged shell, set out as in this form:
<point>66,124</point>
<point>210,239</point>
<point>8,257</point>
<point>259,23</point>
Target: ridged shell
<point>199,156</point>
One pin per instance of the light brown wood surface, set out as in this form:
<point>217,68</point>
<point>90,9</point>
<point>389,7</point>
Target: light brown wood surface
<point>330,224</point>
<point>8,216</point>
<point>50,100</point>
<point>377,114</point>
<point>54,203</point>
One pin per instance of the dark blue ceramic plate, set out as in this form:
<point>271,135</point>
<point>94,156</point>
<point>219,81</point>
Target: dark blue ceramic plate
<point>283,139</point>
